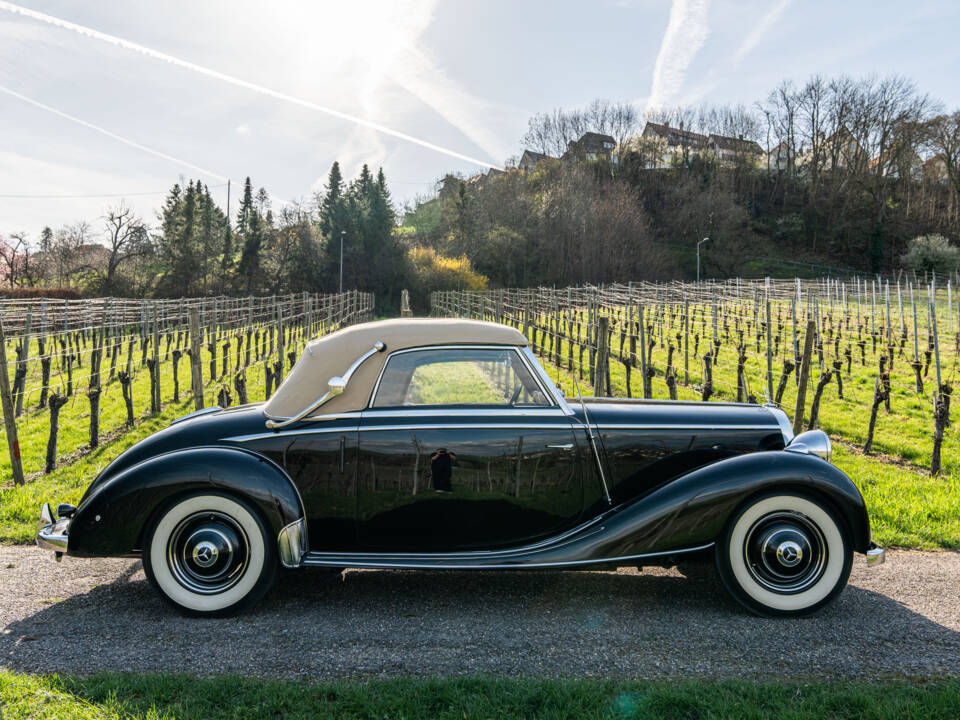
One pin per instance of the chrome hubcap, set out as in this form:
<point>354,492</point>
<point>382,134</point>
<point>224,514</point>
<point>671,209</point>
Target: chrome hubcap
<point>208,552</point>
<point>205,553</point>
<point>789,553</point>
<point>785,552</point>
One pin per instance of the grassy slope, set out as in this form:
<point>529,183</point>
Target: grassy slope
<point>178,696</point>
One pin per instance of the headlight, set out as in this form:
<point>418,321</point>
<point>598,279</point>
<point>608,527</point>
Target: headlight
<point>812,442</point>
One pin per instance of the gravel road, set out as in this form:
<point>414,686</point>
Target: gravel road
<point>82,616</point>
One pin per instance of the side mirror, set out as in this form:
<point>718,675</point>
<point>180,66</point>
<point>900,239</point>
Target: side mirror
<point>336,385</point>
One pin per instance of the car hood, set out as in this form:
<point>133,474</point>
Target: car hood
<point>610,412</point>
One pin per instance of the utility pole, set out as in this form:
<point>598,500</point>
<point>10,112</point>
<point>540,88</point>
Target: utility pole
<point>342,233</point>
<point>698,256</point>
<point>228,202</point>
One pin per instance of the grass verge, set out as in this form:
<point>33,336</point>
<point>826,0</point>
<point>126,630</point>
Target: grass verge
<point>179,696</point>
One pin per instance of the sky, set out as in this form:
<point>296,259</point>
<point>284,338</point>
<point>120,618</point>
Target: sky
<point>118,99</point>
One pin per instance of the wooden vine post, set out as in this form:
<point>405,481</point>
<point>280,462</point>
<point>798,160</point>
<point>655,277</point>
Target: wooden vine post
<point>13,444</point>
<point>804,376</point>
<point>195,345</point>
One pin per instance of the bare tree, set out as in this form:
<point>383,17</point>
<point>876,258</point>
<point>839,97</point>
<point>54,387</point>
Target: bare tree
<point>944,141</point>
<point>783,105</point>
<point>16,261</point>
<point>550,133</point>
<point>126,238</point>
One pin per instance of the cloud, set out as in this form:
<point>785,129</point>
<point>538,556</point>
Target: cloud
<point>687,31</point>
<point>111,135</point>
<point>232,80</point>
<point>242,129</point>
<point>758,32</point>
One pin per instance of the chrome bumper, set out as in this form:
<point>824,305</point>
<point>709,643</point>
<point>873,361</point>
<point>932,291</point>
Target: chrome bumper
<point>876,555</point>
<point>52,532</point>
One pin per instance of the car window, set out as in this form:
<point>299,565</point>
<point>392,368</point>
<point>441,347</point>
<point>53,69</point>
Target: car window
<point>458,377</point>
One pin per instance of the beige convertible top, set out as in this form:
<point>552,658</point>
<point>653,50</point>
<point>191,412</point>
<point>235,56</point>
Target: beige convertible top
<point>333,354</point>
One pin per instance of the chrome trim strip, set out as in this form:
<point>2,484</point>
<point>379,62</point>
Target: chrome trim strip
<point>196,413</point>
<point>513,348</point>
<point>487,426</point>
<point>452,426</point>
<point>665,401</point>
<point>285,433</point>
<point>554,391</point>
<point>731,428</point>
<point>292,543</point>
<point>422,562</point>
<point>783,421</point>
<point>433,411</point>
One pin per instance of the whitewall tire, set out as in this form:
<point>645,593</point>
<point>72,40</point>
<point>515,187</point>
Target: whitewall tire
<point>785,554</point>
<point>210,554</point>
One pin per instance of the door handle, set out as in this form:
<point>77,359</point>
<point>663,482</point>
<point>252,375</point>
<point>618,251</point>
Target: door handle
<point>565,446</point>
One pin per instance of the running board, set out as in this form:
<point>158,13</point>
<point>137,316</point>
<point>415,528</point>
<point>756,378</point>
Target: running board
<point>497,560</point>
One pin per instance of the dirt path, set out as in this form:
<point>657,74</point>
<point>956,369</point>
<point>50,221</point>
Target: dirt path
<point>82,616</point>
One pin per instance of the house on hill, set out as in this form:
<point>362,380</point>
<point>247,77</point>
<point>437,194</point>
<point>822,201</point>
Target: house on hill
<point>935,170</point>
<point>779,157</point>
<point>675,140</point>
<point>731,152</point>
<point>591,146</point>
<point>529,160</point>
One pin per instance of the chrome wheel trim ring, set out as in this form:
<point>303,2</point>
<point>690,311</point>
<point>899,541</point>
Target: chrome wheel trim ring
<point>230,557</point>
<point>785,552</point>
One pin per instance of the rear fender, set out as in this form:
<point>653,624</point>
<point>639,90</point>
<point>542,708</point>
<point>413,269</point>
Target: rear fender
<point>111,521</point>
<point>695,508</point>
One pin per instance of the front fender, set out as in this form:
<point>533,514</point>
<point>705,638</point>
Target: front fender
<point>695,508</point>
<point>111,520</point>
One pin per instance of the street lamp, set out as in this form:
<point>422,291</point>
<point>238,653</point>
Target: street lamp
<point>698,256</point>
<point>344,232</point>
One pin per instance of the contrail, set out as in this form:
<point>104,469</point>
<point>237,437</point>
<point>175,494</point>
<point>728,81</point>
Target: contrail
<point>149,52</point>
<point>111,135</point>
<point>759,31</point>
<point>686,32</point>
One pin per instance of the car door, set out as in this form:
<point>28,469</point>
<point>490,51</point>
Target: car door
<point>463,449</point>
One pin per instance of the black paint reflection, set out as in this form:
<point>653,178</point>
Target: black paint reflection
<point>441,469</point>
<point>461,488</point>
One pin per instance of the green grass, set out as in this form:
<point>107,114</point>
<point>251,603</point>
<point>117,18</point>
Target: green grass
<point>178,696</point>
<point>33,426</point>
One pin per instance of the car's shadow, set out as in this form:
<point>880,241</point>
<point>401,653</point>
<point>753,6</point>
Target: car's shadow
<point>316,624</point>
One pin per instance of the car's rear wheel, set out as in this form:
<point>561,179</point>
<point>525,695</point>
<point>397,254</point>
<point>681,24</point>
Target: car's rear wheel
<point>785,554</point>
<point>210,554</point>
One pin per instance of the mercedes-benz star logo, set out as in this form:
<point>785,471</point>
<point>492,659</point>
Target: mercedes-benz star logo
<point>205,553</point>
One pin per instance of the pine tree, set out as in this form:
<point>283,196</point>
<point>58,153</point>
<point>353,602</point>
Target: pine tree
<point>331,204</point>
<point>246,208</point>
<point>249,268</point>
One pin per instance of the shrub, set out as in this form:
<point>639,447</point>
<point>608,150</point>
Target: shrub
<point>433,271</point>
<point>26,293</point>
<point>931,252</point>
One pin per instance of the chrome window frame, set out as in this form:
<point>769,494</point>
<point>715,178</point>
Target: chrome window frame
<point>515,349</point>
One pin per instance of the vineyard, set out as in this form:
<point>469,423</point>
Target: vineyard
<point>882,358</point>
<point>872,362</point>
<point>82,372</point>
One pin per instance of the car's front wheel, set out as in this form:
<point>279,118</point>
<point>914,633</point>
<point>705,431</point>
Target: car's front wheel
<point>209,554</point>
<point>785,554</point>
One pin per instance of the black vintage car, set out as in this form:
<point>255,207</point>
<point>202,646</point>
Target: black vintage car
<point>444,444</point>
